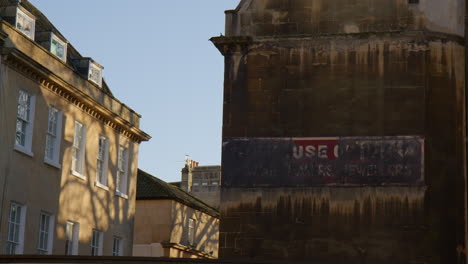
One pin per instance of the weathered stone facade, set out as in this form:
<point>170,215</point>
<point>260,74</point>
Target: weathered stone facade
<point>171,223</point>
<point>202,182</point>
<point>35,186</point>
<point>354,68</point>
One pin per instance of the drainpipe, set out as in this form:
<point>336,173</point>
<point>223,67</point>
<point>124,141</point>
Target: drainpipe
<point>6,136</point>
<point>465,121</point>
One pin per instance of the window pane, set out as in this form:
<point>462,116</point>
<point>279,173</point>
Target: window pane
<point>101,160</point>
<point>50,145</point>
<point>24,103</point>
<point>57,48</point>
<point>95,74</point>
<point>52,124</point>
<point>69,238</point>
<point>25,24</point>
<point>43,233</point>
<point>23,116</point>
<point>116,247</point>
<point>95,243</point>
<point>14,224</point>
<point>78,135</point>
<point>20,138</point>
<point>78,148</point>
<point>121,177</point>
<point>11,233</point>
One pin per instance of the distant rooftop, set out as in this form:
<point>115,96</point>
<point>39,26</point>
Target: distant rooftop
<point>152,188</point>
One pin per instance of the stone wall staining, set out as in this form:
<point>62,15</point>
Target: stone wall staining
<point>334,224</point>
<point>304,17</point>
<point>352,69</point>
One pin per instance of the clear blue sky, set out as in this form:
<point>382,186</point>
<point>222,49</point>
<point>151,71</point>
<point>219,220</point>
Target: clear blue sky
<point>158,61</point>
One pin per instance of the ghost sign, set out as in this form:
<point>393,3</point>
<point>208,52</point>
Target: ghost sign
<point>323,161</point>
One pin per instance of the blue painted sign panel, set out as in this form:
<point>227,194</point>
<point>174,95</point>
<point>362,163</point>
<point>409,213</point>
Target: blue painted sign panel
<point>323,161</point>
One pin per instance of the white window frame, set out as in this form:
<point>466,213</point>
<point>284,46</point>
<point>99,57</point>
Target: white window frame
<point>27,124</point>
<point>121,175</point>
<point>60,41</point>
<point>78,162</point>
<point>102,161</point>
<point>20,12</point>
<point>15,234</point>
<point>45,237</point>
<point>191,231</point>
<point>94,66</point>
<point>117,246</point>
<point>72,233</point>
<point>96,242</point>
<point>54,135</point>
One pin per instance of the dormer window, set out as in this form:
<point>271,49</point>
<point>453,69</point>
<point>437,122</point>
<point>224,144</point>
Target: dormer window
<point>58,47</point>
<point>89,69</point>
<point>53,43</point>
<point>25,23</point>
<point>95,73</point>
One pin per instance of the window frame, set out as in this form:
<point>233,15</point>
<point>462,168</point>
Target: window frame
<point>121,175</point>
<point>103,183</point>
<point>55,161</point>
<point>71,245</point>
<point>28,16</point>
<point>61,42</point>
<point>78,167</point>
<point>117,250</point>
<point>96,246</point>
<point>27,124</point>
<point>47,250</point>
<point>18,231</point>
<point>95,66</point>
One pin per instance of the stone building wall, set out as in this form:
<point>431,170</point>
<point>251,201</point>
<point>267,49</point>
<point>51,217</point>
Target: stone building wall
<point>321,69</point>
<point>162,230</point>
<point>203,182</point>
<point>43,187</point>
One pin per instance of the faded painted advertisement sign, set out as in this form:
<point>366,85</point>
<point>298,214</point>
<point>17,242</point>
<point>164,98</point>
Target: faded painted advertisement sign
<point>322,161</point>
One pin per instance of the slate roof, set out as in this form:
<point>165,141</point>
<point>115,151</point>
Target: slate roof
<point>152,188</point>
<point>177,184</point>
<point>44,25</point>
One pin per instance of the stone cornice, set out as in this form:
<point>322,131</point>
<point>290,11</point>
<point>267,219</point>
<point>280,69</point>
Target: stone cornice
<point>47,79</point>
<point>418,34</point>
<point>231,44</point>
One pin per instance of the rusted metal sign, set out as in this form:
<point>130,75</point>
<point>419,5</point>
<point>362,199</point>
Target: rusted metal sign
<point>323,161</point>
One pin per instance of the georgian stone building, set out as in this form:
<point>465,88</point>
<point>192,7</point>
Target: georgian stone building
<point>68,147</point>
<point>344,131</point>
<point>203,182</point>
<point>170,222</point>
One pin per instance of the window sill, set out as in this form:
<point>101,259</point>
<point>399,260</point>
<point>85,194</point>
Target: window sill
<point>52,163</point>
<point>23,150</point>
<point>78,175</point>
<point>123,195</point>
<point>102,186</point>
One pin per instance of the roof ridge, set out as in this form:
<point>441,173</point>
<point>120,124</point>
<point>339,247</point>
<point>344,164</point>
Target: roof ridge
<point>169,191</point>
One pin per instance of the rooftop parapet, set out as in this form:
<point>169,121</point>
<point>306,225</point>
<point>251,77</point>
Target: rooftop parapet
<point>305,17</point>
